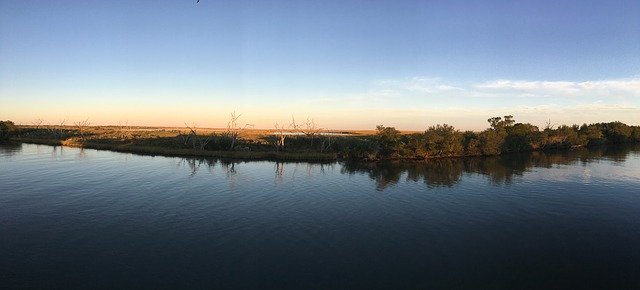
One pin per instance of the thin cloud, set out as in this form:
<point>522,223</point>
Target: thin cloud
<point>600,88</point>
<point>422,85</point>
<point>414,103</point>
<point>437,87</point>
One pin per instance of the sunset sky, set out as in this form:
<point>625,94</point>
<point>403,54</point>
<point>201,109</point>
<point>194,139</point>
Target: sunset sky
<point>347,64</point>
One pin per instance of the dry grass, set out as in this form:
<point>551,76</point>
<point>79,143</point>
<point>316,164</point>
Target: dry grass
<point>166,151</point>
<point>161,140</point>
<point>248,134</point>
<point>180,141</point>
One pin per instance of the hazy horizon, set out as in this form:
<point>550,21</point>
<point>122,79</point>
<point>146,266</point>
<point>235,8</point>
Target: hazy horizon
<point>346,64</point>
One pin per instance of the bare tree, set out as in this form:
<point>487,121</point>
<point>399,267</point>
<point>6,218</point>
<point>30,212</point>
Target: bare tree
<point>61,128</point>
<point>197,141</point>
<point>57,130</point>
<point>549,126</point>
<point>294,126</point>
<point>82,127</point>
<point>37,123</point>
<point>280,137</point>
<point>233,130</point>
<point>192,135</point>
<point>185,138</point>
<point>309,128</point>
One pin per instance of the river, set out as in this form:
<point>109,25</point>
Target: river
<point>74,218</point>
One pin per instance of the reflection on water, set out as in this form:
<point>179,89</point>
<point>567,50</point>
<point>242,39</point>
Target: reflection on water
<point>498,169</point>
<point>442,172</point>
<point>9,149</point>
<point>283,171</point>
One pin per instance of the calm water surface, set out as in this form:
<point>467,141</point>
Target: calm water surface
<point>72,218</point>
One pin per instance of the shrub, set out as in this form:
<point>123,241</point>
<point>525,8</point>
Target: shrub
<point>389,141</point>
<point>592,133</point>
<point>414,146</point>
<point>355,147</point>
<point>491,142</point>
<point>520,137</point>
<point>444,140</point>
<point>471,143</point>
<point>7,130</point>
<point>617,132</point>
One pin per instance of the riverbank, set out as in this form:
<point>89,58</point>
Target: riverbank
<point>176,152</point>
<point>239,155</point>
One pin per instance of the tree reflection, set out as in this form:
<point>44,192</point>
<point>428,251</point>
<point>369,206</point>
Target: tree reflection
<point>10,148</point>
<point>310,170</point>
<point>447,172</point>
<point>441,172</point>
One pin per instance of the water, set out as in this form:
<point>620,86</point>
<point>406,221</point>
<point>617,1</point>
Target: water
<point>72,218</point>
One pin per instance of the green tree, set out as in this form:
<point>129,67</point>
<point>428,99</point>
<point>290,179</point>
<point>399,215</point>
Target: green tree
<point>443,140</point>
<point>520,137</point>
<point>617,132</point>
<point>492,139</point>
<point>635,134</point>
<point>414,146</point>
<point>388,139</point>
<point>471,142</point>
<point>592,134</point>
<point>570,136</point>
<point>7,130</point>
<point>491,142</point>
<point>497,123</point>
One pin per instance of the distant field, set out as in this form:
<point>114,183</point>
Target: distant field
<point>249,143</point>
<point>150,131</point>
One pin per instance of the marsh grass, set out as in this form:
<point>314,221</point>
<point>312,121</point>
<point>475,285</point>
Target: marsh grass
<point>168,142</point>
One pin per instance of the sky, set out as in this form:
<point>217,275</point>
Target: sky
<point>345,64</point>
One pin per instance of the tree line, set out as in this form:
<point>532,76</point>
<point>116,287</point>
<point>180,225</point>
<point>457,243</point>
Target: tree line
<point>504,135</point>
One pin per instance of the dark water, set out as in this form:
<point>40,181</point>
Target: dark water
<point>72,218</point>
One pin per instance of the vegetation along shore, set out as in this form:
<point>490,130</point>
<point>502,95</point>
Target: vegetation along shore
<point>305,142</point>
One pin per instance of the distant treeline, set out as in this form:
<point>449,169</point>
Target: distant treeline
<point>504,135</point>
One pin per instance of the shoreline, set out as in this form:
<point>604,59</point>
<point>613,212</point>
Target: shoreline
<point>251,155</point>
<point>504,137</point>
<point>177,152</point>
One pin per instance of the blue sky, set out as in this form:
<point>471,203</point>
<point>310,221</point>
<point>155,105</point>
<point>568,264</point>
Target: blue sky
<point>347,64</point>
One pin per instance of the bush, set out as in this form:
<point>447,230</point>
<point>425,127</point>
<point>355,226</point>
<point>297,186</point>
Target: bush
<point>444,140</point>
<point>414,146</point>
<point>491,142</point>
<point>635,135</point>
<point>355,147</point>
<point>471,142</point>
<point>7,130</point>
<point>389,141</point>
<point>520,137</point>
<point>617,132</point>
<point>592,133</point>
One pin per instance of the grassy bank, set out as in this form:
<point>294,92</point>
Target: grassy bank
<point>165,151</point>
